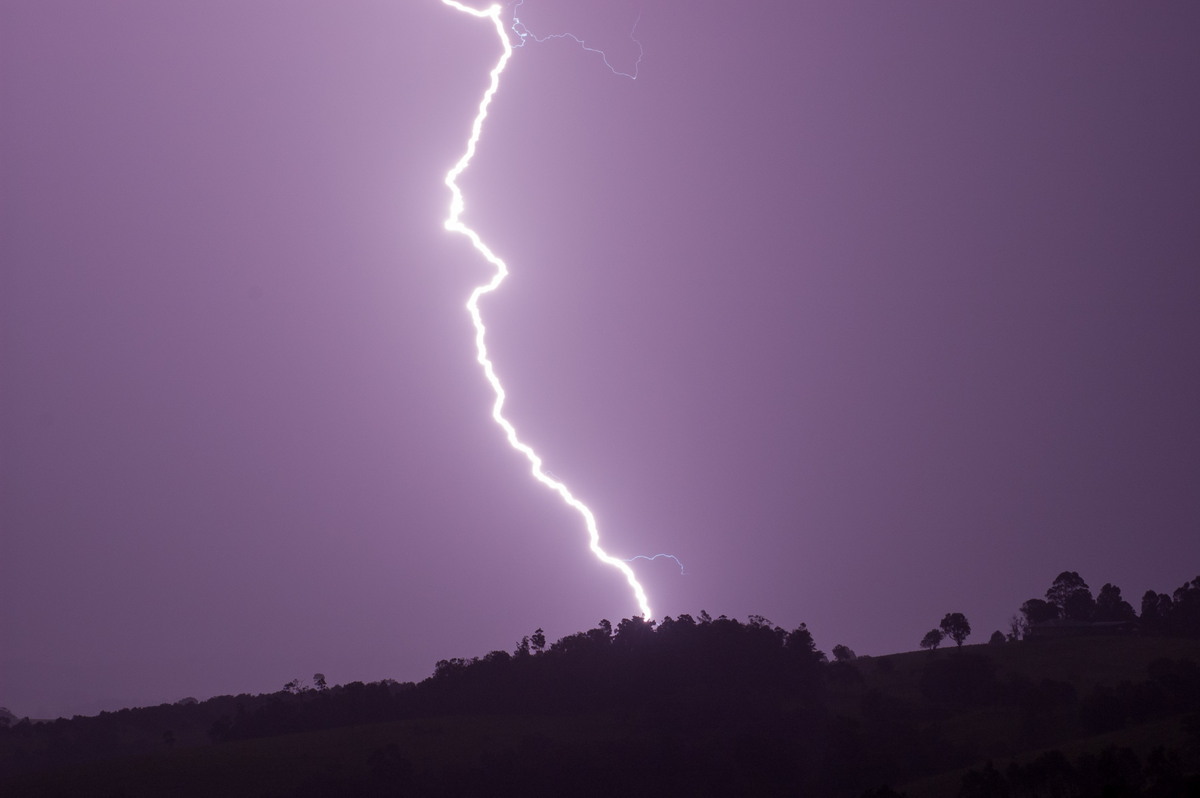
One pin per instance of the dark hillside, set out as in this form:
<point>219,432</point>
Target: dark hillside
<point>685,707</point>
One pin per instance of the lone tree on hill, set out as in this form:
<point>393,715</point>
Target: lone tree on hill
<point>956,627</point>
<point>932,639</point>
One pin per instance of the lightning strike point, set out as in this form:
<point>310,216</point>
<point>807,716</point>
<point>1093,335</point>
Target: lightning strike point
<point>455,224</point>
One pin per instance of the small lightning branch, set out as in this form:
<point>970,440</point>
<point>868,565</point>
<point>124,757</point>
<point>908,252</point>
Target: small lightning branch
<point>525,35</point>
<point>653,557</point>
<point>455,224</point>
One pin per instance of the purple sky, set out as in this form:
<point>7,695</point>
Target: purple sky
<point>868,312</point>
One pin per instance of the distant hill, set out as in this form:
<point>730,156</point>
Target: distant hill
<point>687,707</point>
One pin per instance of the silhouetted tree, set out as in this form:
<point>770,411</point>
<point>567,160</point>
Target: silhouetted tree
<point>932,639</point>
<point>633,633</point>
<point>537,641</point>
<point>956,627</point>
<point>1185,610</point>
<point>1037,611</point>
<point>843,653</point>
<point>1156,611</point>
<point>997,638</point>
<point>799,642</point>
<point>1080,607</point>
<point>1065,584</point>
<point>1111,607</point>
<point>497,658</point>
<point>1018,628</point>
<point>319,681</point>
<point>1072,596</point>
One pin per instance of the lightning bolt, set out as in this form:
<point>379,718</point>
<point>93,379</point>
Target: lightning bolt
<point>455,224</point>
<point>653,557</point>
<point>525,35</point>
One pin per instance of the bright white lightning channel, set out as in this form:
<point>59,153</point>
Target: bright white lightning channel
<point>455,224</point>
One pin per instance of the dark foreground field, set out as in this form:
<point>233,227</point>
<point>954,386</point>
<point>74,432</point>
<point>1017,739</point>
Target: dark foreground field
<point>715,707</point>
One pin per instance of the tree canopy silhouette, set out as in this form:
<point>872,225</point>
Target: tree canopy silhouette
<point>956,627</point>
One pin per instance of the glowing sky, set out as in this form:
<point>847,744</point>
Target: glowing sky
<point>868,312</point>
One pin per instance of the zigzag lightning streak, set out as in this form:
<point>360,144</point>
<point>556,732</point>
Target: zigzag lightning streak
<point>454,223</point>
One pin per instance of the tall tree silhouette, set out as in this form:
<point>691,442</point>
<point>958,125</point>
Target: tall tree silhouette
<point>956,627</point>
<point>1072,596</point>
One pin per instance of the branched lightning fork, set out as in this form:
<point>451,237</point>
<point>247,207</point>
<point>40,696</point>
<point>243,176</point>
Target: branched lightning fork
<point>454,223</point>
<point>525,35</point>
<point>653,557</point>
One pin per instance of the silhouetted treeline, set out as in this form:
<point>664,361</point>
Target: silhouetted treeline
<point>1177,614</point>
<point>725,708</point>
<point>680,668</point>
<point>1069,607</point>
<point>705,701</point>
